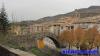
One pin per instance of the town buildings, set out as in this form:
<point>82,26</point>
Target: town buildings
<point>67,23</point>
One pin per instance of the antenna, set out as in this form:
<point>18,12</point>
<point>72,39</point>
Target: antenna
<point>12,17</point>
<point>12,22</point>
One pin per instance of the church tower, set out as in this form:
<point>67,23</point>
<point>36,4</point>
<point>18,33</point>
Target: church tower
<point>76,15</point>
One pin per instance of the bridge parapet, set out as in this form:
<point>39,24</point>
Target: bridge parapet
<point>43,34</point>
<point>7,51</point>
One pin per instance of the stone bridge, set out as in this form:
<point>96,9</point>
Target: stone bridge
<point>51,36</point>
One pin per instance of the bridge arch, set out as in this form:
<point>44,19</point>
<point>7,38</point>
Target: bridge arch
<point>54,41</point>
<point>51,36</point>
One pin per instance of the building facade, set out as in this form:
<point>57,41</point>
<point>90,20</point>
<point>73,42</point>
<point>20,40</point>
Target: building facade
<point>68,23</point>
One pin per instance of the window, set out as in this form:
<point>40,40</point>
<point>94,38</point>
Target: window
<point>62,27</point>
<point>72,27</point>
<point>84,26</point>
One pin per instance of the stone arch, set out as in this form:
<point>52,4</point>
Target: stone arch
<point>51,36</point>
<point>54,41</point>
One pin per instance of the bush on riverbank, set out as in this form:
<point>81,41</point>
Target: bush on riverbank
<point>38,52</point>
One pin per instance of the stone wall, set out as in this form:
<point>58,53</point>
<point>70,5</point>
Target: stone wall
<point>5,52</point>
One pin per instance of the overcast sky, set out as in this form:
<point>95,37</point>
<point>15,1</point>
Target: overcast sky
<point>35,9</point>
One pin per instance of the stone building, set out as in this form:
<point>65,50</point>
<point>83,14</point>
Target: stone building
<point>67,23</point>
<point>38,28</point>
<point>61,25</point>
<point>88,22</point>
<point>15,29</point>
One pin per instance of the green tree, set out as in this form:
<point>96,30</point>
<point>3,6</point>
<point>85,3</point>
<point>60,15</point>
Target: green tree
<point>4,23</point>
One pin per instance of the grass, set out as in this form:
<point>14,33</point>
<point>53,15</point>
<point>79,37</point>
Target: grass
<point>38,52</point>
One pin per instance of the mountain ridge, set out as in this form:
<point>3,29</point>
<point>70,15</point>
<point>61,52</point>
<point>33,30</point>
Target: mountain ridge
<point>84,12</point>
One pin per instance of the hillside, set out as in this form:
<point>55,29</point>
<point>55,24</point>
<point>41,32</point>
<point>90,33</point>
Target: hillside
<point>84,12</point>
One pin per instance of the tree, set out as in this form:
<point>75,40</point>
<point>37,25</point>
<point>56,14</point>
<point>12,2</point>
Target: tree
<point>71,38</point>
<point>97,42</point>
<point>91,34</point>
<point>67,37</point>
<point>63,37</point>
<point>79,37</point>
<point>4,23</point>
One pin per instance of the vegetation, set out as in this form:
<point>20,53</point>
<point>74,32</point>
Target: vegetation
<point>4,23</point>
<point>38,52</point>
<point>4,26</point>
<point>81,39</point>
